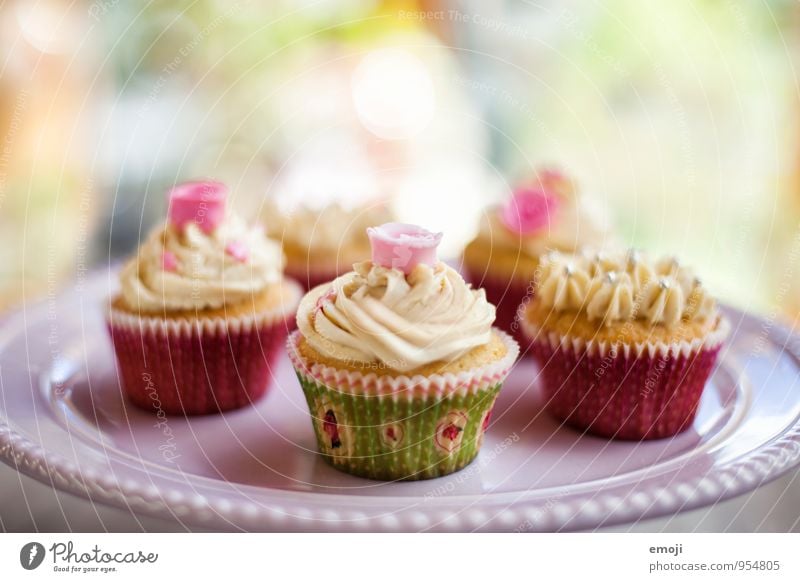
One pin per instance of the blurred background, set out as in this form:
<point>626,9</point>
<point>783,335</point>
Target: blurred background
<point>681,119</point>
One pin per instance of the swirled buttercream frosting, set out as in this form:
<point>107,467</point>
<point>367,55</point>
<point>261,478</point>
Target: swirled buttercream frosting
<point>621,287</point>
<point>186,268</point>
<point>377,313</point>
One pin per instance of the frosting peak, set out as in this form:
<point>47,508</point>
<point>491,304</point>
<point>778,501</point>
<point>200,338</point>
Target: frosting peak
<point>403,321</point>
<point>622,287</point>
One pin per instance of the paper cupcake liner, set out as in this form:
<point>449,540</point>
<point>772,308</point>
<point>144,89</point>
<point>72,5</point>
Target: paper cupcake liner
<point>200,366</point>
<point>509,297</point>
<point>640,391</point>
<point>393,428</point>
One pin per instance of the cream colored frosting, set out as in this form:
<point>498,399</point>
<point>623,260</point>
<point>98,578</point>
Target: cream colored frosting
<point>332,229</point>
<point>379,314</point>
<point>576,225</point>
<point>623,286</point>
<point>611,294</point>
<point>205,274</point>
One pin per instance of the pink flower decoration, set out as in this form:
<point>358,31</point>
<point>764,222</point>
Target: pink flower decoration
<point>238,250</point>
<point>451,432</point>
<point>331,428</point>
<point>403,246</point>
<point>529,210</point>
<point>201,202</point>
<point>169,262</point>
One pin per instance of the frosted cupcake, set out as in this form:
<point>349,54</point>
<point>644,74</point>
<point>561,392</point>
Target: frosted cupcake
<point>625,344</point>
<point>203,309</point>
<point>399,362</point>
<point>321,244</point>
<point>543,215</point>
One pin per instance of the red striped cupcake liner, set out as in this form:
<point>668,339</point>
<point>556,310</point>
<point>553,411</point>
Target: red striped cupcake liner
<point>637,391</point>
<point>198,366</point>
<point>509,296</point>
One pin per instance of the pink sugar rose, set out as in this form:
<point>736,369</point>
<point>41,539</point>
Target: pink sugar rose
<point>529,210</point>
<point>201,202</point>
<point>403,246</point>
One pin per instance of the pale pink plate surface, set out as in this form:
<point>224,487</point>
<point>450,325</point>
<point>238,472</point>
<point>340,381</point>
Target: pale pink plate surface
<point>64,422</point>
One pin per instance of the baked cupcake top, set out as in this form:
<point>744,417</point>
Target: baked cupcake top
<point>597,293</point>
<point>204,257</point>
<point>403,309</point>
<point>545,214</point>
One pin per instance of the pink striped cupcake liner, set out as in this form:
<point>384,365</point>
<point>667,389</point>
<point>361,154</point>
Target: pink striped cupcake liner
<point>198,366</point>
<point>509,296</point>
<point>639,391</point>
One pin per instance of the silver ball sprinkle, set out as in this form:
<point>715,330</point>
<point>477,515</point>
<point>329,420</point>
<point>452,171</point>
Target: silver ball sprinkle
<point>664,283</point>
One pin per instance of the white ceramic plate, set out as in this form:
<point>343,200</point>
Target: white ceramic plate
<point>64,422</point>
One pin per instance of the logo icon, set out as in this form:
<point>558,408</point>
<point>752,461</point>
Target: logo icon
<point>31,555</point>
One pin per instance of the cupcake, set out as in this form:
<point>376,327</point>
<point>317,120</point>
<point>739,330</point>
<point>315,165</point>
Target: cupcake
<point>321,244</point>
<point>543,215</point>
<point>203,309</point>
<point>625,344</point>
<point>399,362</point>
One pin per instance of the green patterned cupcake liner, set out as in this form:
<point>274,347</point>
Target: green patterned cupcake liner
<point>400,428</point>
